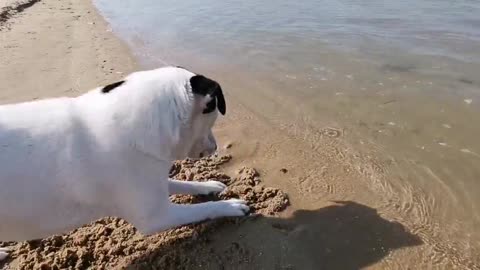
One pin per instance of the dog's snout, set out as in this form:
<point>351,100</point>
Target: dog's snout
<point>212,150</point>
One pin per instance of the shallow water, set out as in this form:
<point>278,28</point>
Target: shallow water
<point>400,79</point>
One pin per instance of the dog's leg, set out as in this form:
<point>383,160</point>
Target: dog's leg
<point>183,214</point>
<point>194,188</point>
<point>3,253</point>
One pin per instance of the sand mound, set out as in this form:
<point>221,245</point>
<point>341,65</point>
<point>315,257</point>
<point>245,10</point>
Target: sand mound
<point>112,243</point>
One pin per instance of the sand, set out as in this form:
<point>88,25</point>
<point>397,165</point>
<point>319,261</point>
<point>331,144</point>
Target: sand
<point>57,48</point>
<point>312,209</point>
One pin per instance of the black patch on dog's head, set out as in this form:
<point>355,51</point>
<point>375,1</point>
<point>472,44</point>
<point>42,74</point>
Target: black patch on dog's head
<point>111,86</point>
<point>202,85</point>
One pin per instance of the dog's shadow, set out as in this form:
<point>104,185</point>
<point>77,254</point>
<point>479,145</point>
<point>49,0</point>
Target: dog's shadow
<point>347,235</point>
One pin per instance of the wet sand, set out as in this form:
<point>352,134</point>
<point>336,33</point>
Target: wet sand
<point>335,219</point>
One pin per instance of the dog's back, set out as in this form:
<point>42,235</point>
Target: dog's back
<point>27,132</point>
<point>37,142</point>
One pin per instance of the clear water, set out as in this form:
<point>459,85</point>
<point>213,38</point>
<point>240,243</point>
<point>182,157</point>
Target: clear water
<point>402,77</point>
<point>437,27</point>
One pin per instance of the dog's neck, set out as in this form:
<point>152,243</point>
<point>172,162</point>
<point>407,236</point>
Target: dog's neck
<point>164,137</point>
<point>153,118</point>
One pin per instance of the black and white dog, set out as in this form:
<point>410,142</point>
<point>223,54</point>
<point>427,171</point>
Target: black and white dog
<point>67,161</point>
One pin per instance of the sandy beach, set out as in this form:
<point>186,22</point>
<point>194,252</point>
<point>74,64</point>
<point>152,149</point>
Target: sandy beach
<point>57,48</point>
<point>318,209</point>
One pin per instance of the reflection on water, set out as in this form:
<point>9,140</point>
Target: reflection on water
<point>400,78</point>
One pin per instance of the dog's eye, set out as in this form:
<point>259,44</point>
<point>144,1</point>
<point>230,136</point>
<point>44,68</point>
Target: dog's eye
<point>211,106</point>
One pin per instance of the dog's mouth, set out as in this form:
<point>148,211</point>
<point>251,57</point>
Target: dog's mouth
<point>207,154</point>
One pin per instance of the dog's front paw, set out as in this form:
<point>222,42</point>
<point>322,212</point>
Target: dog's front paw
<point>234,208</point>
<point>3,253</point>
<point>212,187</point>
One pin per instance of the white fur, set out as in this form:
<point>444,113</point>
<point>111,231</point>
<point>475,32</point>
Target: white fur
<point>65,162</point>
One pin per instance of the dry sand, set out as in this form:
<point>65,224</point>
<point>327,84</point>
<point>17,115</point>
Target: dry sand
<point>63,47</point>
<point>56,48</point>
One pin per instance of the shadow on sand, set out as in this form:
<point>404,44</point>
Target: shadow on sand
<point>347,235</point>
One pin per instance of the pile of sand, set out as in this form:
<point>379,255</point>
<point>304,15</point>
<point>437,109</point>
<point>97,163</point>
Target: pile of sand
<point>113,243</point>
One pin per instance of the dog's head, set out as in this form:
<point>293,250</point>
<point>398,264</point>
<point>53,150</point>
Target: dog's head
<point>208,101</point>
<point>181,105</point>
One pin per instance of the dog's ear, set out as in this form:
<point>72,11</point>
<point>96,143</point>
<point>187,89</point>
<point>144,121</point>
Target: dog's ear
<point>110,87</point>
<point>204,86</point>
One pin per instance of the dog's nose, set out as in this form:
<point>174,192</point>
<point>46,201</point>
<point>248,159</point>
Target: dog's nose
<point>216,147</point>
<point>201,155</point>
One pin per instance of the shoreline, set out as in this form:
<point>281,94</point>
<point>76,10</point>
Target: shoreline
<point>84,53</point>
